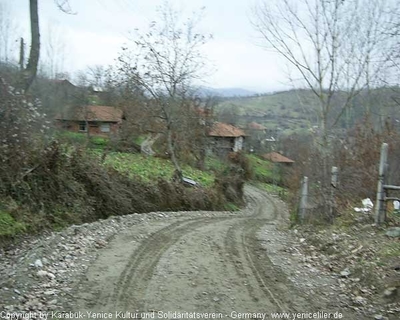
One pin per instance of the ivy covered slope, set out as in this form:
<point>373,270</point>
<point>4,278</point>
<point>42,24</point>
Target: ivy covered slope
<point>149,169</point>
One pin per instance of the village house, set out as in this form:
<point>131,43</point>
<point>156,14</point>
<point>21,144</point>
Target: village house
<point>256,135</point>
<point>94,120</point>
<point>225,138</point>
<point>276,157</point>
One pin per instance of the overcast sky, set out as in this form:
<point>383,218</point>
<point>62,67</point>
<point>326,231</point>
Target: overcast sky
<point>98,29</point>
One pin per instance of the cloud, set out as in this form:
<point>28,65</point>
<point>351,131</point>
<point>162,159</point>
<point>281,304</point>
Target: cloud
<point>90,48</point>
<point>242,64</point>
<point>99,29</point>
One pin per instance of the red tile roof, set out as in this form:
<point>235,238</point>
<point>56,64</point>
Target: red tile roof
<point>203,112</point>
<point>256,126</point>
<point>94,113</point>
<point>276,157</point>
<point>220,129</point>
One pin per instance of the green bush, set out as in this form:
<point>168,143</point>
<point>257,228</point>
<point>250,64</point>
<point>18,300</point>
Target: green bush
<point>81,139</point>
<point>74,138</point>
<point>99,142</point>
<point>8,226</point>
<point>71,186</point>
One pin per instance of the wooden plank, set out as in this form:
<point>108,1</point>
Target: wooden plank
<point>303,199</point>
<point>391,187</point>
<point>391,198</point>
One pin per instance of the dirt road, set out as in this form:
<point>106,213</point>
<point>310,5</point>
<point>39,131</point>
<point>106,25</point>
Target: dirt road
<point>194,264</point>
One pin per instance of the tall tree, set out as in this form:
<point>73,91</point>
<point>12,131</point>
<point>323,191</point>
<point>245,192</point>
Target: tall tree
<point>54,50</point>
<point>337,48</point>
<point>29,73</point>
<point>163,63</point>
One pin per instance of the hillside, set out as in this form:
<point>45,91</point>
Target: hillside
<point>288,110</point>
<point>297,110</point>
<point>226,92</point>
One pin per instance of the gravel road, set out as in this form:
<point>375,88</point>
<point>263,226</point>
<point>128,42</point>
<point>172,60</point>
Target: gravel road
<point>168,265</point>
<point>202,265</point>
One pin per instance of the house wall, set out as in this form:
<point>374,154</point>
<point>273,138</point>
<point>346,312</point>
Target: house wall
<point>222,146</point>
<point>238,144</point>
<point>94,127</point>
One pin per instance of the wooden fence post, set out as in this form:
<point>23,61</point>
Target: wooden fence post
<point>380,213</point>
<point>303,199</point>
<point>334,182</point>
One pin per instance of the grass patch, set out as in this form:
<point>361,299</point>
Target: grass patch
<point>271,188</point>
<point>390,250</point>
<point>74,138</point>
<point>149,169</point>
<point>214,164</point>
<point>99,142</point>
<point>139,140</point>
<point>9,227</point>
<point>81,139</point>
<point>263,170</point>
<point>231,207</point>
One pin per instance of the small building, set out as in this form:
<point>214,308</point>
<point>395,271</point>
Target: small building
<point>225,138</point>
<point>276,157</point>
<point>95,120</point>
<point>256,135</point>
<point>254,126</point>
<point>257,132</point>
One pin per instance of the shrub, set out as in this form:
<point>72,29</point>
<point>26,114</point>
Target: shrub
<point>8,225</point>
<point>99,142</point>
<point>240,160</point>
<point>357,158</point>
<point>73,138</point>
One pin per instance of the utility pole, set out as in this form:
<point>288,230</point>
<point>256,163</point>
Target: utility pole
<point>380,214</point>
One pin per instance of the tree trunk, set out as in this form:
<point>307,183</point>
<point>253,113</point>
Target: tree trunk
<point>22,54</point>
<point>171,150</point>
<point>29,74</point>
<point>85,110</point>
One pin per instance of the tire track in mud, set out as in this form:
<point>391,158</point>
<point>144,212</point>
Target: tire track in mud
<point>245,252</point>
<point>143,261</point>
<point>237,244</point>
<point>238,247</point>
<point>249,235</point>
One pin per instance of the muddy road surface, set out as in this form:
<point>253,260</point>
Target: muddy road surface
<point>195,267</point>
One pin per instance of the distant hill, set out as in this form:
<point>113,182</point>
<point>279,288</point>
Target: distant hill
<point>226,92</point>
<point>297,110</point>
<point>286,111</point>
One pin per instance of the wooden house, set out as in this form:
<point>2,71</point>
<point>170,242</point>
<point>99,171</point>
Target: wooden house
<point>95,120</point>
<point>225,138</point>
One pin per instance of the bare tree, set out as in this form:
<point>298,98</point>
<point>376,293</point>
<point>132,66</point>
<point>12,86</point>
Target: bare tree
<point>97,75</point>
<point>337,48</point>
<point>55,49</point>
<point>164,63</point>
<point>29,73</point>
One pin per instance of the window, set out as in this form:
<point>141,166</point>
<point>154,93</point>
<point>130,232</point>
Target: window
<point>105,127</point>
<point>82,126</point>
